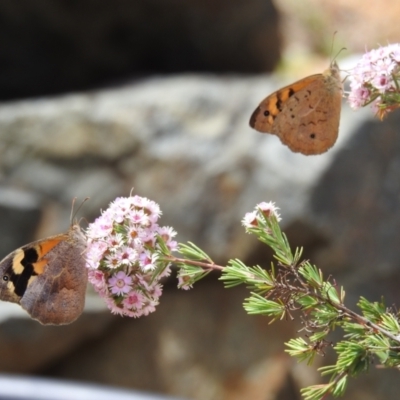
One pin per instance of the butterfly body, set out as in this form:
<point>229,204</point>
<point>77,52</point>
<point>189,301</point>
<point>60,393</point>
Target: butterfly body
<point>304,115</point>
<point>48,277</point>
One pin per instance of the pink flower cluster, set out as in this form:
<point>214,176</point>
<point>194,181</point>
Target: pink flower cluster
<point>267,209</point>
<point>124,255</point>
<point>374,77</point>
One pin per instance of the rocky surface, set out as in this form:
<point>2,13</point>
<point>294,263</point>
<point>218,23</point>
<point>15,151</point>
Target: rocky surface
<point>28,346</point>
<point>194,346</point>
<point>356,207</point>
<point>184,141</point>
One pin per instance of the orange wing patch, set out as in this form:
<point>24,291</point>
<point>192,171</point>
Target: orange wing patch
<point>264,115</point>
<point>42,248</point>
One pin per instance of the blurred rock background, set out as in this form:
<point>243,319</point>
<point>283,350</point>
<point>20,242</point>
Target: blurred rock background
<point>99,97</point>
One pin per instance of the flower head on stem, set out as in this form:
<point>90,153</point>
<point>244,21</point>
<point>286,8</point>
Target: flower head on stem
<point>124,255</point>
<point>375,80</point>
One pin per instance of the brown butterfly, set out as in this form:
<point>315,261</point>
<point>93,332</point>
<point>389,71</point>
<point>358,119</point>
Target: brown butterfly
<point>48,277</point>
<point>304,115</point>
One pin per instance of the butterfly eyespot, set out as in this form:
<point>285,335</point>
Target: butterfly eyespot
<point>266,113</point>
<point>5,278</point>
<point>312,136</point>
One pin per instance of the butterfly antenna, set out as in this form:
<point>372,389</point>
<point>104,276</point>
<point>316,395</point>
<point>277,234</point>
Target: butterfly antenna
<point>332,43</point>
<point>336,55</point>
<point>73,214</point>
<point>83,219</point>
<point>343,48</point>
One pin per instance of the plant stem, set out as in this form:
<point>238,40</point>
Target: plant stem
<point>201,264</point>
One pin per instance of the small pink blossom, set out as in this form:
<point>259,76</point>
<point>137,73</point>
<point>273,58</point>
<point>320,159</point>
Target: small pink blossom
<point>119,208</point>
<point>120,283</point>
<point>149,308</point>
<point>144,281</point>
<point>97,279</point>
<point>358,97</point>
<point>269,209</point>
<point>382,82</point>
<point>147,260</point>
<point>126,255</point>
<point>114,308</point>
<point>112,260</point>
<point>152,209</point>
<point>95,253</point>
<point>115,240</point>
<point>250,219</point>
<point>139,217</point>
<point>134,299</point>
<point>148,237</point>
<point>138,201</point>
<point>167,233</point>
<point>184,282</point>
<point>164,272</point>
<point>101,227</point>
<point>156,291</point>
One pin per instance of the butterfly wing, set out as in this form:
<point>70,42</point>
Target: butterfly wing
<point>264,115</point>
<point>304,115</point>
<point>47,278</point>
<point>310,121</point>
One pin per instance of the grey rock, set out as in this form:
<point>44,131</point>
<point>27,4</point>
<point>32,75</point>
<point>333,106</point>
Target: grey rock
<point>198,345</point>
<point>356,207</point>
<point>184,142</point>
<point>26,346</point>
<point>20,214</point>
